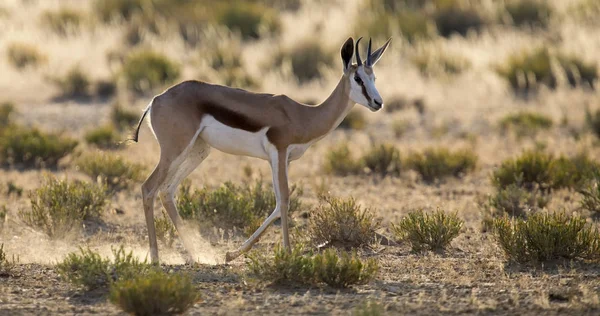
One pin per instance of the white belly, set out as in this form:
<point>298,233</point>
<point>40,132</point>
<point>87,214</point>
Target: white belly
<point>232,140</point>
<point>297,150</point>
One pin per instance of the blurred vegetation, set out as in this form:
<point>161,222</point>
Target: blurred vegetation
<point>6,111</point>
<point>592,120</point>
<point>111,170</point>
<point>23,55</point>
<point>146,70</point>
<point>105,137</point>
<point>165,230</point>
<point>339,161</point>
<point>75,83</point>
<point>307,59</point>
<point>530,13</point>
<point>382,159</point>
<point>525,123</point>
<point>354,120</point>
<point>123,118</point>
<point>64,21</point>
<point>517,201</point>
<point>433,61</point>
<point>31,148</point>
<point>59,207</point>
<point>437,163</point>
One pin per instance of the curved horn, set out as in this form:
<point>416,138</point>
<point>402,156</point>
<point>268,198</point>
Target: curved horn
<point>358,61</point>
<point>369,54</point>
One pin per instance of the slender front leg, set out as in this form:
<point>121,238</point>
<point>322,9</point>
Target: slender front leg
<point>280,186</point>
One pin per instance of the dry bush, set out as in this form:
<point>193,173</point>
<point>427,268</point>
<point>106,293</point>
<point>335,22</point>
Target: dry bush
<point>232,206</point>
<point>544,237</point>
<point>165,230</point>
<point>527,70</point>
<point>413,25</point>
<point>105,137</point>
<point>155,293</point>
<point>436,62</point>
<point>64,21</point>
<point>22,55</point>
<point>341,223</point>
<point>382,159</point>
<point>340,162</point>
<point>591,196</point>
<point>61,206</point>
<point>298,266</point>
<point>123,118</point>
<point>146,70</point>
<point>369,308</point>
<point>400,127</point>
<point>75,83</point>
<point>529,13</point>
<point>307,59</point>
<point>250,19</point>
<point>7,109</point>
<point>111,170</point>
<point>428,231</point>
<point>354,120</point>
<point>108,10</point>
<point>452,18</point>
<point>89,270</point>
<point>592,120</point>
<point>517,201</point>
<point>437,163</point>
<point>525,123</point>
<point>32,148</point>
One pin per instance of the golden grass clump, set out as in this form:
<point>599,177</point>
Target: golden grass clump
<point>437,163</point>
<point>32,148</point>
<point>23,55</point>
<point>111,170</point>
<point>147,70</point>
<point>525,123</point>
<point>105,137</point>
<point>426,231</point>
<point>75,83</point>
<point>340,162</point>
<point>307,59</point>
<point>64,21</point>
<point>382,159</point>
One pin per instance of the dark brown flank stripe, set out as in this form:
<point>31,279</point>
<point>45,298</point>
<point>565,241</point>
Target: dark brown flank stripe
<point>231,118</point>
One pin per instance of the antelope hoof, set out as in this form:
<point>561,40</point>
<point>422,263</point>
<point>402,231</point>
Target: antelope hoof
<point>229,256</point>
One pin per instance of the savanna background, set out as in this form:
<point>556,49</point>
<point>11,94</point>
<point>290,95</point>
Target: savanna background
<point>475,190</point>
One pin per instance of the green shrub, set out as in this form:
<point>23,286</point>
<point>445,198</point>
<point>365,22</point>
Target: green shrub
<point>63,21</point>
<point>343,270</point>
<point>525,123</point>
<point>165,230</point>
<point>33,148</point>
<point>382,159</point>
<point>354,120</point>
<point>22,55</point>
<point>6,111</point>
<point>436,163</point>
<point>249,19</point>
<point>112,170</point>
<point>543,237</point>
<point>454,19</point>
<point>591,196</point>
<point>284,267</point>
<point>105,137</point>
<point>123,118</point>
<point>428,231</point>
<point>155,293</point>
<point>60,206</point>
<point>75,83</point>
<point>307,58</point>
<point>526,71</point>
<point>516,201</point>
<point>232,205</point>
<point>530,13</point>
<point>339,161</point>
<point>434,62</point>
<point>89,270</point>
<point>147,70</point>
<point>537,169</point>
<point>341,223</point>
<point>338,270</point>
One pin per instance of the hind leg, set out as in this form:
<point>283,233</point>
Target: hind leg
<point>194,157</point>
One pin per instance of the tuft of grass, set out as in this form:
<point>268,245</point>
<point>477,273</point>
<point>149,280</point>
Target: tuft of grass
<point>249,19</point>
<point>592,120</point>
<point>147,70</point>
<point>342,270</point>
<point>516,201</point>
<point>60,206</point>
<point>428,231</point>
<point>369,308</point>
<point>232,206</point>
<point>22,55</point>
<point>354,120</point>
<point>75,83</point>
<point>341,223</point>
<point>89,270</point>
<point>105,137</point>
<point>165,230</point>
<point>432,62</point>
<point>7,109</point>
<point>451,18</point>
<point>538,169</point>
<point>33,148</point>
<point>340,162</point>
<point>111,170</point>
<point>382,159</point>
<point>63,22</point>
<point>123,118</point>
<point>525,123</point>
<point>109,10</point>
<point>591,196</point>
<point>528,13</point>
<point>307,58</point>
<point>6,265</point>
<point>155,293</point>
<point>400,127</point>
<point>528,70</point>
<point>437,163</point>
<point>298,266</point>
<point>544,237</point>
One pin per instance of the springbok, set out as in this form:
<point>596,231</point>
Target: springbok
<point>191,117</point>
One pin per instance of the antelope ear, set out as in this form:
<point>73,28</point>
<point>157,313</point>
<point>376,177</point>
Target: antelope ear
<point>347,51</point>
<point>379,52</point>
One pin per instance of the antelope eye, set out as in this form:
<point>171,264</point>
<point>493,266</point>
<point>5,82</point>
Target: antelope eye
<point>357,79</point>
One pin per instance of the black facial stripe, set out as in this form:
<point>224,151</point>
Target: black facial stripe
<point>364,90</point>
